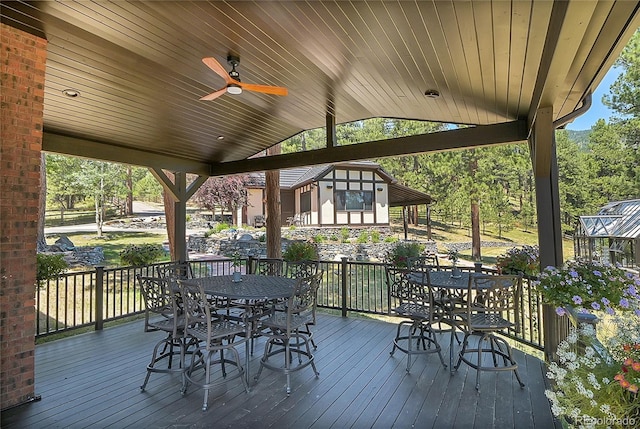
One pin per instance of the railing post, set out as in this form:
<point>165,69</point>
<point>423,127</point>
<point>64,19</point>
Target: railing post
<point>344,285</point>
<point>99,298</point>
<point>554,331</point>
<point>250,264</point>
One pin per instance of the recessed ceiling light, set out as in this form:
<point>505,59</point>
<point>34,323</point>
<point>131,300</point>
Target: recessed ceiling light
<point>432,93</point>
<point>71,92</point>
<point>220,137</point>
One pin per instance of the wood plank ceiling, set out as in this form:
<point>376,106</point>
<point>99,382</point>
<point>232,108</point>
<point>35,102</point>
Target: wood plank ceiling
<point>137,66</point>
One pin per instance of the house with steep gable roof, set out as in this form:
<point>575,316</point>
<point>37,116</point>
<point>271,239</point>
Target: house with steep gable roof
<point>348,193</point>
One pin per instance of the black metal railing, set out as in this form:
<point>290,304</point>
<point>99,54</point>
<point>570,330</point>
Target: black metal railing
<point>87,298</point>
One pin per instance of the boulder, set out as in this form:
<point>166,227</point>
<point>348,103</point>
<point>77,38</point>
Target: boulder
<point>64,244</point>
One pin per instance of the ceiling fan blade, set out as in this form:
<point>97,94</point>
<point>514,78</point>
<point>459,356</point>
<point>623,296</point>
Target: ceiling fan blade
<point>266,89</point>
<point>214,95</point>
<point>214,65</point>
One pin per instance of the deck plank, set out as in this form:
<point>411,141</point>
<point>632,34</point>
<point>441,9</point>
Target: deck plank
<point>93,379</point>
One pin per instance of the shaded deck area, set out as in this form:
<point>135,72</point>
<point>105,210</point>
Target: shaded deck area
<point>92,380</point>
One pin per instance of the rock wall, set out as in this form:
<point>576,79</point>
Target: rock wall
<point>328,251</point>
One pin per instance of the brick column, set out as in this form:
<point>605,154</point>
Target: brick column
<point>22,70</point>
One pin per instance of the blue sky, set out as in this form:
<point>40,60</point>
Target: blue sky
<point>597,110</point>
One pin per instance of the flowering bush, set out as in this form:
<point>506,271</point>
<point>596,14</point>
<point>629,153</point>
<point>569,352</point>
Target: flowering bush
<point>525,260</point>
<point>592,388</point>
<point>590,286</point>
<point>400,254</point>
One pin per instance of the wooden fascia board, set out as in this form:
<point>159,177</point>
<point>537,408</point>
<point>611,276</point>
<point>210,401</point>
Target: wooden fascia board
<point>406,203</point>
<point>58,143</point>
<point>463,138</point>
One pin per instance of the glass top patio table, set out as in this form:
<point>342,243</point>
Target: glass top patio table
<point>252,288</point>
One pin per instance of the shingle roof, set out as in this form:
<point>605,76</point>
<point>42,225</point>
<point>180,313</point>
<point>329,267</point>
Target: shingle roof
<point>399,195</point>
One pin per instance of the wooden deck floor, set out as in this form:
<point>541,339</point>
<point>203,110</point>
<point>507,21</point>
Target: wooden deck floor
<point>92,380</point>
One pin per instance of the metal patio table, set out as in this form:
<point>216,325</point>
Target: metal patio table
<point>455,287</point>
<point>251,289</point>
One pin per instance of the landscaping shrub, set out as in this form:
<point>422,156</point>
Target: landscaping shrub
<point>363,237</point>
<point>221,227</point>
<point>49,266</point>
<point>399,255</point>
<point>141,254</point>
<point>300,251</point>
<point>318,238</point>
<point>344,233</point>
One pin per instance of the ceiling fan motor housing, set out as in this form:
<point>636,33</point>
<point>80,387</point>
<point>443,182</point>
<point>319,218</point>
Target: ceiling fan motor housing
<point>234,61</point>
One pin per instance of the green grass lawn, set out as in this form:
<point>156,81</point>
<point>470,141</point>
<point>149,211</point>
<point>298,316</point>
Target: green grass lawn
<point>73,217</point>
<point>444,233</point>
<point>113,242</point>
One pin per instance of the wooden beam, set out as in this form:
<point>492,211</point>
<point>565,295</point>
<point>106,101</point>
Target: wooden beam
<point>463,138</point>
<point>166,183</point>
<point>194,186</point>
<point>58,143</point>
<point>543,145</point>
<point>485,135</point>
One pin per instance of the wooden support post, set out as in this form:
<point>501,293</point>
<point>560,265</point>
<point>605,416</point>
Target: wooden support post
<point>545,168</point>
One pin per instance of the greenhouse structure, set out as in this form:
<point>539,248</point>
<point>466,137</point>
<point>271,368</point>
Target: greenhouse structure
<point>613,235</point>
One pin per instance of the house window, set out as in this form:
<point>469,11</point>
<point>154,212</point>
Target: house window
<point>305,202</point>
<point>354,200</point>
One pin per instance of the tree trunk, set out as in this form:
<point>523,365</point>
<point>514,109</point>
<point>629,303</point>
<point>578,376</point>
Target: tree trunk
<point>274,222</point>
<point>428,222</point>
<point>475,231</point>
<point>170,217</point>
<point>405,226</point>
<point>99,200</point>
<point>129,203</point>
<point>475,210</point>
<point>234,215</point>
<point>41,243</point>
<point>98,216</point>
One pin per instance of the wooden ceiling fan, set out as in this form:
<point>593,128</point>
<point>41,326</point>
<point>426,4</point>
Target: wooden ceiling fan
<point>232,78</point>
